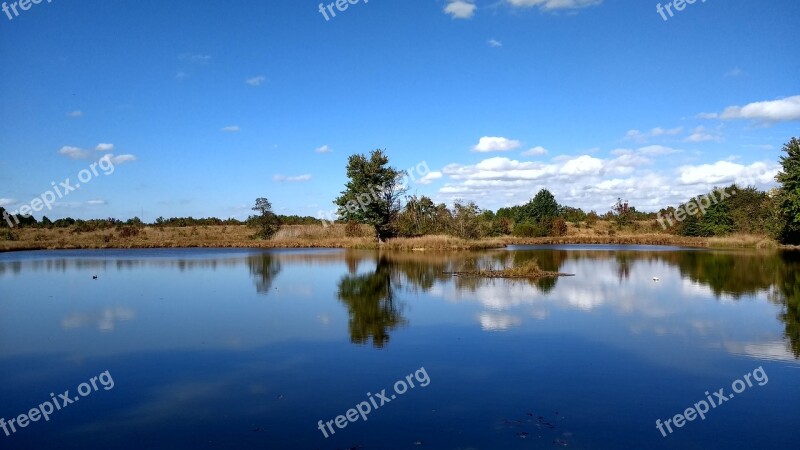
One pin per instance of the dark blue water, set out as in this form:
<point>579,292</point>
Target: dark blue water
<point>253,349</point>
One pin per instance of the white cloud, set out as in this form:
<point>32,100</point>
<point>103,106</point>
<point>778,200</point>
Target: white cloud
<point>494,43</point>
<point>104,147</point>
<point>657,150</point>
<point>75,114</point>
<point>535,151</point>
<point>582,165</point>
<point>707,116</point>
<point>701,135</point>
<point>180,76</point>
<point>297,179</point>
<point>639,136</point>
<point>495,144</point>
<point>727,172</point>
<point>7,201</point>
<point>644,175</point>
<point>96,202</point>
<point>231,129</point>
<point>783,110</point>
<point>73,152</point>
<point>551,5</point>
<point>256,81</point>
<point>121,159</point>
<point>460,9</point>
<point>430,177</point>
<point>324,149</point>
<point>735,72</point>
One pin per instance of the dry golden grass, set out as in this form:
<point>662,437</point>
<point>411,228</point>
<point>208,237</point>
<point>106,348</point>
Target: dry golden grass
<point>334,236</point>
<point>295,236</point>
<point>440,242</point>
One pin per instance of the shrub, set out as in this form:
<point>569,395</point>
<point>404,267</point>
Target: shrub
<point>591,219</point>
<point>7,235</point>
<point>128,232</point>
<point>353,229</point>
<point>82,227</point>
<point>530,230</point>
<point>558,227</point>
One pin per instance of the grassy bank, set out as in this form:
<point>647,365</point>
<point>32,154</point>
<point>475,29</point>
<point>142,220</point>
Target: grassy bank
<point>307,236</point>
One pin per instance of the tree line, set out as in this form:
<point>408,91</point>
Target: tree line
<point>375,195</point>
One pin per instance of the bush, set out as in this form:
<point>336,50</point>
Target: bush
<point>558,227</point>
<point>530,230</point>
<point>499,227</point>
<point>7,235</point>
<point>82,227</point>
<point>128,232</point>
<point>591,219</point>
<point>353,229</point>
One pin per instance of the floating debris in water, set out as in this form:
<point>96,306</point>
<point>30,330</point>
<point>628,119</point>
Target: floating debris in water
<point>540,423</point>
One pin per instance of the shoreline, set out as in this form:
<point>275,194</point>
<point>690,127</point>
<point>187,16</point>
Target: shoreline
<point>298,237</point>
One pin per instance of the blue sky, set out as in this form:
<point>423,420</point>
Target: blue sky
<point>204,106</point>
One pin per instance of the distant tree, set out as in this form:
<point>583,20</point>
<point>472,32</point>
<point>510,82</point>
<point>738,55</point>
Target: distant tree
<point>540,209</point>
<point>466,220</point>
<point>750,209</point>
<point>717,220</point>
<point>372,194</point>
<point>418,217</point>
<point>574,215</point>
<point>135,222</point>
<point>267,221</point>
<point>789,194</point>
<point>691,226</point>
<point>623,212</point>
<point>64,223</point>
<point>592,218</point>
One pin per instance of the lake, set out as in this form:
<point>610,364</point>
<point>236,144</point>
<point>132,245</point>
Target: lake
<point>279,349</point>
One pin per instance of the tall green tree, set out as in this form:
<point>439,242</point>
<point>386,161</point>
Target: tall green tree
<point>418,218</point>
<point>691,226</point>
<point>717,220</point>
<point>541,208</point>
<point>466,220</point>
<point>266,220</point>
<point>372,196</point>
<point>789,194</point>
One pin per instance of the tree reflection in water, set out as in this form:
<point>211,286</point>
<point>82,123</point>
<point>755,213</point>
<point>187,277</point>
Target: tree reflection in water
<point>371,305</point>
<point>374,312</point>
<point>264,267</point>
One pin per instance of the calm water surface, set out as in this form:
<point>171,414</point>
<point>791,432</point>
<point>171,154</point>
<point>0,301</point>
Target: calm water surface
<point>238,349</point>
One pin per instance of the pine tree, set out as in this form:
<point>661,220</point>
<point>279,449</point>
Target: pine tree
<point>789,195</point>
